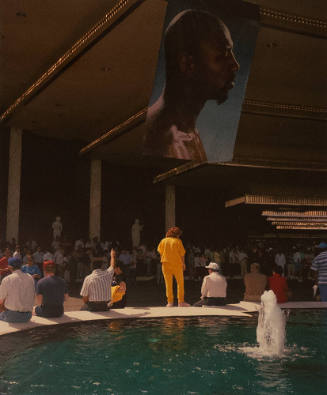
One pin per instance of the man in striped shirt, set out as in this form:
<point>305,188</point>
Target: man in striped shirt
<point>96,289</point>
<point>319,266</point>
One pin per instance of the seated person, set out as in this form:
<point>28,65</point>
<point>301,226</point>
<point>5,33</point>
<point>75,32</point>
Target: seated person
<point>31,268</point>
<point>118,289</point>
<point>17,293</point>
<point>278,284</point>
<point>255,284</point>
<point>51,291</point>
<point>214,287</point>
<point>96,289</point>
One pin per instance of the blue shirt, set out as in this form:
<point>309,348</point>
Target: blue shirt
<point>320,264</point>
<point>34,269</point>
<point>53,290</point>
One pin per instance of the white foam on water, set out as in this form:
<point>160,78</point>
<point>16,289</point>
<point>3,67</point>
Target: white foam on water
<point>271,326</point>
<point>289,354</point>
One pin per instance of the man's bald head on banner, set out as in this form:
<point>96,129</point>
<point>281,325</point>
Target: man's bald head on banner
<point>199,55</point>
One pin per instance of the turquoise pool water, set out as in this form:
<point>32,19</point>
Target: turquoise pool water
<point>166,356</point>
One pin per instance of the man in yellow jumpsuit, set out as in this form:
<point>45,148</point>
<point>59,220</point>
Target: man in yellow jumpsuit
<point>172,255</point>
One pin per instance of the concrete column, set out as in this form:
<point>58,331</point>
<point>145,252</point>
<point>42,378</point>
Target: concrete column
<point>14,176</point>
<point>170,206</point>
<point>95,198</point>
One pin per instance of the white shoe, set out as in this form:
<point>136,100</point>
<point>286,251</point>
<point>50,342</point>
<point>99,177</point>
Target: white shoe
<point>170,305</point>
<point>183,304</point>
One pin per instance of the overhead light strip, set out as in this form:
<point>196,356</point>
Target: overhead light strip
<point>276,200</point>
<point>286,17</point>
<point>90,36</point>
<point>116,131</point>
<point>287,227</point>
<point>292,220</point>
<point>287,201</point>
<point>295,214</point>
<point>302,223</point>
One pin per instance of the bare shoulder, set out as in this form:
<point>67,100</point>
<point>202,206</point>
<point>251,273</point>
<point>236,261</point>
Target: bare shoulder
<point>158,129</point>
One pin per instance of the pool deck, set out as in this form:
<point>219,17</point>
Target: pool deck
<point>242,309</point>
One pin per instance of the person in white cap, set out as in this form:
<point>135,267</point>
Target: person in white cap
<point>214,287</point>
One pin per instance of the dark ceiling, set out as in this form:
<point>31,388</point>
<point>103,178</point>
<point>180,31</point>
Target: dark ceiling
<point>109,78</point>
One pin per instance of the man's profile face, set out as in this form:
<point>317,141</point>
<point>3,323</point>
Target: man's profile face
<point>216,67</point>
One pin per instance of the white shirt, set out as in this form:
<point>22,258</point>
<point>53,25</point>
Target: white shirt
<point>105,245</point>
<point>197,261</point>
<point>97,285</point>
<point>297,257</point>
<point>280,259</point>
<point>233,256</point>
<point>214,286</point>
<point>18,291</point>
<point>78,244</point>
<point>17,254</point>
<point>242,256</point>
<point>58,258</point>
<point>88,244</point>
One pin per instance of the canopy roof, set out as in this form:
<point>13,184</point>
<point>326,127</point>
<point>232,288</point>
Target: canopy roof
<point>80,77</point>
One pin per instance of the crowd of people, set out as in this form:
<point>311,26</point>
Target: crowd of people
<point>214,286</point>
<point>294,260</point>
<point>103,271</point>
<point>74,260</point>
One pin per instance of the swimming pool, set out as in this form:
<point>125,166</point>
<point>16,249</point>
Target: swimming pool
<point>206,355</point>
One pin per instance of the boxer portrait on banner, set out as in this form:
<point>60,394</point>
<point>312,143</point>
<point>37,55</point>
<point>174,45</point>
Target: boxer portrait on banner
<point>200,66</point>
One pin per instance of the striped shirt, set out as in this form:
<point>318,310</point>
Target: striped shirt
<point>320,264</point>
<point>97,285</point>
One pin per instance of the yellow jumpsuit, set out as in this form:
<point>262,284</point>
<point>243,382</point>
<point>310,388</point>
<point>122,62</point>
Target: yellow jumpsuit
<point>172,253</point>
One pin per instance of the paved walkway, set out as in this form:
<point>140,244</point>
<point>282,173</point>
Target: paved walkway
<point>241,309</point>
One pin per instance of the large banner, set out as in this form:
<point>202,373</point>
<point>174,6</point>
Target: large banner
<point>203,66</point>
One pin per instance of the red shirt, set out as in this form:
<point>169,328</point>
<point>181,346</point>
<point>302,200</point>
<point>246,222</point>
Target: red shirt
<point>4,265</point>
<point>278,284</point>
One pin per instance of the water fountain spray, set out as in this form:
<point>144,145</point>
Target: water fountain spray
<point>271,326</point>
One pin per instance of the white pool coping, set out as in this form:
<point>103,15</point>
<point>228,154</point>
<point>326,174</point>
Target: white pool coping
<point>241,309</point>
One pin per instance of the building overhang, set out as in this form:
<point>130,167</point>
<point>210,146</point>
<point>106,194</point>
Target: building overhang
<point>268,200</point>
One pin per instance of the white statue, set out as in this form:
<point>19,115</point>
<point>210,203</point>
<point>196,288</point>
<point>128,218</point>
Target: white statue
<point>57,228</point>
<point>136,233</point>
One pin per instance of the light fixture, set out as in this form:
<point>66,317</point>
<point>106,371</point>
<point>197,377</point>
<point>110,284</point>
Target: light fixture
<point>270,200</point>
<point>293,227</point>
<point>285,223</point>
<point>292,219</point>
<point>295,214</point>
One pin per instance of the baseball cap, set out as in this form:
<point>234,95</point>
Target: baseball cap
<point>15,262</point>
<point>213,266</point>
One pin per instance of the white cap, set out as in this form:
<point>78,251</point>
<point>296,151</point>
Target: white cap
<point>213,266</point>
